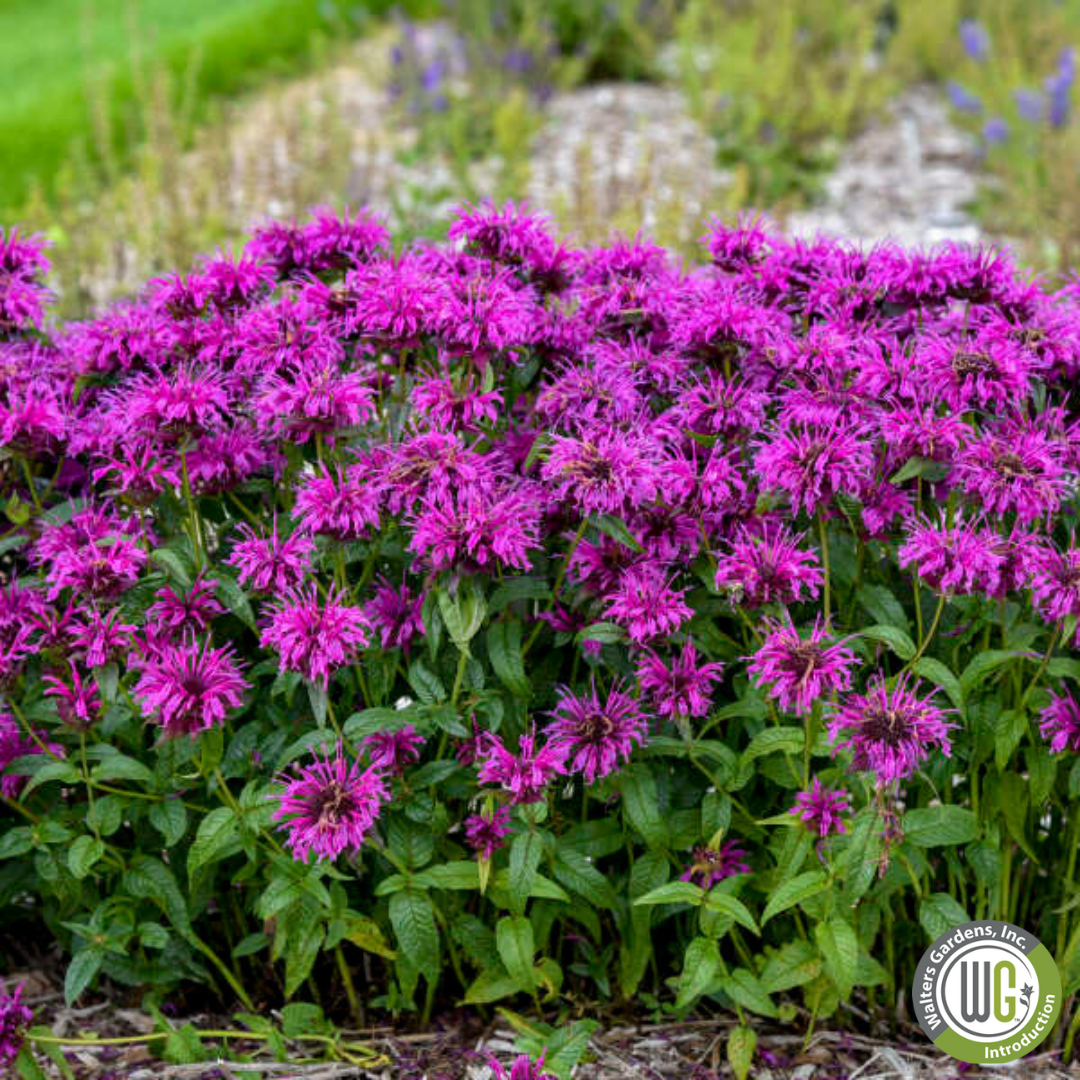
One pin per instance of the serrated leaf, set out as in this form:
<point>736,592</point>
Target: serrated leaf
<point>840,951</point>
<point>793,892</point>
<point>674,892</point>
<point>940,826</point>
<point>741,1044</point>
<point>526,850</point>
<point>80,973</point>
<point>982,666</point>
<point>234,598</point>
<point>217,832</point>
<point>504,651</point>
<point>642,804</point>
<point>927,667</point>
<point>898,640</point>
<point>413,919</point>
<point>490,985</point>
<point>83,854</point>
<point>366,934</point>
<point>169,817</point>
<point>733,907</point>
<point>516,945</point>
<point>701,965</point>
<point>615,528</point>
<point>939,912</point>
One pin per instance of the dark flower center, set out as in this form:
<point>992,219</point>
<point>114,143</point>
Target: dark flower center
<point>330,805</point>
<point>970,363</point>
<point>802,660</point>
<point>1011,465</point>
<point>193,686</point>
<point>885,725</point>
<point>595,726</point>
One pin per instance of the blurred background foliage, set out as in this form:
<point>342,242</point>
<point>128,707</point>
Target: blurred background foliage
<point>127,134</point>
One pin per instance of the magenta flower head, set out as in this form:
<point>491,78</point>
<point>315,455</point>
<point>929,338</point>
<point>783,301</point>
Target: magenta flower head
<point>1055,583</point>
<point>13,744</point>
<point>768,567</point>
<point>190,687</point>
<point>684,687</point>
<point>271,564</point>
<point>524,775</point>
<point>487,832</point>
<point>890,731</point>
<point>524,1068</point>
<point>315,639</point>
<point>1059,723</point>
<point>194,610</point>
<point>646,604</point>
<point>604,471</point>
<point>598,736</point>
<point>77,699</point>
<point>394,750</point>
<point>821,808</point>
<point>15,1017</point>
<point>959,559</point>
<point>800,670</point>
<point>330,807</point>
<point>710,865</point>
<point>396,615</point>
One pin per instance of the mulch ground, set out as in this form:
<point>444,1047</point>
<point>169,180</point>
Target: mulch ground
<point>458,1046</point>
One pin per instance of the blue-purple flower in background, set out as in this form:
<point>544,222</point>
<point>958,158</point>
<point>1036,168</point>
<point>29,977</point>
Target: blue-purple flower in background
<point>1059,88</point>
<point>975,39</point>
<point>963,99</point>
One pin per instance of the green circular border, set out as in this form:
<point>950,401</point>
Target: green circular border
<point>977,1053</point>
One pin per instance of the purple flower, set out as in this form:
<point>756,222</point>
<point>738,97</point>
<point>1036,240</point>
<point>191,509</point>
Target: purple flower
<point>684,687</point>
<point>1030,104</point>
<point>1059,723</point>
<point>822,808</point>
<point>812,464</point>
<point>527,774</point>
<point>603,471</point>
<point>958,559</point>
<point>768,567</point>
<point>800,670</point>
<point>995,131</point>
<point>890,731</point>
<point>524,1068</point>
<point>315,639</point>
<point>13,744</point>
<point>1055,583</point>
<point>963,100</point>
<point>15,1017</point>
<point>710,865</point>
<point>396,615</point>
<point>330,807</point>
<point>975,39</point>
<point>193,611</point>
<point>598,736</point>
<point>271,564</point>
<point>646,604</point>
<point>393,751</point>
<point>190,687</point>
<point>451,409</point>
<point>344,505</point>
<point>486,833</point>
<point>1059,88</point>
<point>77,700</point>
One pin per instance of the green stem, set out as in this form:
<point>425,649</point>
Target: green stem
<point>355,1010</point>
<point>559,579</point>
<point>826,599</point>
<point>193,516</point>
<point>925,641</point>
<point>30,483</point>
<point>1043,664</point>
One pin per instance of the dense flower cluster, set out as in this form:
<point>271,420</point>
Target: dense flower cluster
<point>535,525</point>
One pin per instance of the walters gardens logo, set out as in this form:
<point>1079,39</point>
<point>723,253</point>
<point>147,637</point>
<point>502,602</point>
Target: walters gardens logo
<point>987,992</point>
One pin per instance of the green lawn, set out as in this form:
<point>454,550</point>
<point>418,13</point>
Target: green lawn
<point>53,52</point>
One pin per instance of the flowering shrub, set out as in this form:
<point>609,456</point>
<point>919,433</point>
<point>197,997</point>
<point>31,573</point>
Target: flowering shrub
<point>503,619</point>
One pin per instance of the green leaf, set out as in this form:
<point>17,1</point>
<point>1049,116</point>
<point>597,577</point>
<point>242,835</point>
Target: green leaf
<point>928,668</point>
<point>576,871</point>
<point>169,817</point>
<point>731,906</point>
<point>774,740</point>
<point>940,826</point>
<point>917,466</point>
<point>413,919</point>
<point>494,984</point>
<point>452,875</point>
<point>525,852</point>
<point>701,965</point>
<point>516,945</point>
<point>463,613</point>
<point>898,640</point>
<point>840,950</point>
<point>982,667</point>
<point>615,528</point>
<point>607,633</point>
<point>83,854</point>
<point>121,767</point>
<point>641,801</point>
<point>217,835</point>
<point>151,879</point>
<point>939,912</point>
<point>745,989</point>
<point>504,650</point>
<point>16,841</point>
<point>428,686</point>
<point>794,892</point>
<point>301,955</point>
<point>882,606</point>
<point>174,564</point>
<point>366,934</point>
<point>674,892</point>
<point>741,1044</point>
<point>234,598</point>
<point>81,971</point>
<point>794,964</point>
<point>513,590</point>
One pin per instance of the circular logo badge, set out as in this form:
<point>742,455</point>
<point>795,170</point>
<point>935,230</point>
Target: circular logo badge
<point>987,992</point>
